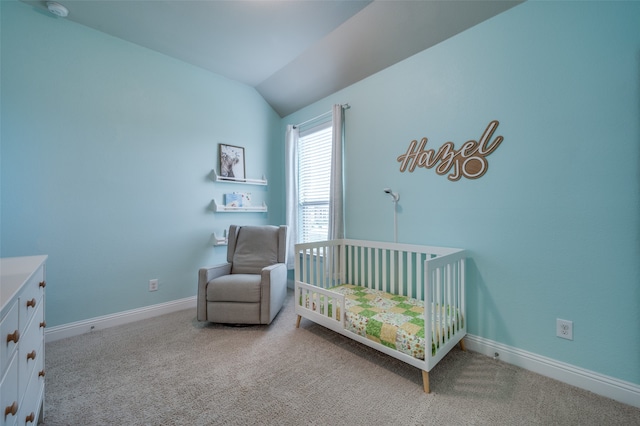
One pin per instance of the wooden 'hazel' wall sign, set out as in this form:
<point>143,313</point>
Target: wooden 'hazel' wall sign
<point>468,161</point>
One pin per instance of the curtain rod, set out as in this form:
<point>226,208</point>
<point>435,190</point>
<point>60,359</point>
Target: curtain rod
<point>344,106</point>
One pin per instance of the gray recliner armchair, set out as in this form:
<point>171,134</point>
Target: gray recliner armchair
<point>251,287</point>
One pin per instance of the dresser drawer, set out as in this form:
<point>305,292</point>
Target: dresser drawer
<point>31,296</point>
<point>31,348</point>
<point>31,402</point>
<point>9,335</point>
<point>9,394</point>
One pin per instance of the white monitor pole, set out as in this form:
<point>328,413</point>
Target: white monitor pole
<point>395,196</point>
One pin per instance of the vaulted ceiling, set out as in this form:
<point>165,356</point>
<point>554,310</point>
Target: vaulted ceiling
<point>293,52</point>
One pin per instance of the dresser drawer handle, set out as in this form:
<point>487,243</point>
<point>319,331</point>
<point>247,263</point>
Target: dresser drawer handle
<point>43,324</point>
<point>30,418</point>
<point>31,355</point>
<point>13,337</point>
<point>41,373</point>
<point>11,409</point>
<point>43,284</point>
<point>31,303</point>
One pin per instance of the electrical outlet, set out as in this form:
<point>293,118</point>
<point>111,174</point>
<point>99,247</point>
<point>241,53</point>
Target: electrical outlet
<point>153,285</point>
<point>564,329</point>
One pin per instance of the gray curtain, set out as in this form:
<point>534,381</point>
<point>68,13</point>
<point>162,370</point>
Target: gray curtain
<point>291,189</point>
<point>336,194</point>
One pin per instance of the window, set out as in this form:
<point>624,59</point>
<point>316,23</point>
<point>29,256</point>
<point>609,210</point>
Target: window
<point>314,180</point>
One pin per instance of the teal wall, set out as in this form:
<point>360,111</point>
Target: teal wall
<point>552,228</point>
<point>106,152</point>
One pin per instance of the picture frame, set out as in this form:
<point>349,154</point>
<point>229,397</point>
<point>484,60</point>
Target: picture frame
<point>231,160</point>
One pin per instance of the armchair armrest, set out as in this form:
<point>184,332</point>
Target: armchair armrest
<point>274,291</point>
<point>204,276</point>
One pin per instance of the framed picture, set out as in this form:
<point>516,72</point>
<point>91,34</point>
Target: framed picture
<point>232,162</point>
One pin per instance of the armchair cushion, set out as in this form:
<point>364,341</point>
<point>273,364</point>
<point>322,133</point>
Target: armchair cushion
<point>243,288</point>
<point>256,247</point>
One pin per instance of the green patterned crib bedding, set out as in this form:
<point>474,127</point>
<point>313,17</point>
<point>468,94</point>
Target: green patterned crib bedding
<point>394,321</point>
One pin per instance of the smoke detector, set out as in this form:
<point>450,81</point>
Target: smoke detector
<point>57,9</point>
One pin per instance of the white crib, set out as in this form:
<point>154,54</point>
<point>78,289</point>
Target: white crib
<point>435,276</point>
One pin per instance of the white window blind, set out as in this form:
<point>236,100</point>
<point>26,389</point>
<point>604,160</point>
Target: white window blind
<point>314,178</point>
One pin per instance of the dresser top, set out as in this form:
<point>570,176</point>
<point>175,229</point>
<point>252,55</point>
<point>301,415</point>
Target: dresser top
<point>15,271</point>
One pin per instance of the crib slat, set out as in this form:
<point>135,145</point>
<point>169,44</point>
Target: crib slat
<point>384,271</point>
<point>419,278</point>
<point>305,266</point>
<point>297,267</point>
<point>451,299</point>
<point>319,267</point>
<point>398,275</point>
<point>345,264</point>
<point>339,262</point>
<point>332,264</point>
<point>401,274</point>
<point>463,307</point>
<point>439,301</point>
<point>429,304</point>
<point>311,261</point>
<point>405,284</point>
<point>332,303</point>
<point>360,261</point>
<point>458,301</point>
<point>335,253</point>
<point>376,270</point>
<point>410,275</point>
<point>451,312</point>
<point>326,270</point>
<point>350,264</point>
<point>327,266</point>
<point>354,264</point>
<point>397,287</point>
<point>447,296</point>
<point>381,271</point>
<point>302,265</point>
<point>319,253</point>
<point>370,265</point>
<point>361,278</point>
<point>393,260</point>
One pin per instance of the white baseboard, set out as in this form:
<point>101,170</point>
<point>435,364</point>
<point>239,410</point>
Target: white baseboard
<point>98,323</point>
<point>610,387</point>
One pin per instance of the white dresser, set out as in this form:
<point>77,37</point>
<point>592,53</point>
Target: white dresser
<point>22,282</point>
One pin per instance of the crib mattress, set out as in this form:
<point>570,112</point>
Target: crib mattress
<point>395,321</point>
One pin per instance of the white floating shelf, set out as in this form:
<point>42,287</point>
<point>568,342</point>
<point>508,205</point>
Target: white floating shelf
<point>218,178</point>
<point>219,241</point>
<point>222,208</point>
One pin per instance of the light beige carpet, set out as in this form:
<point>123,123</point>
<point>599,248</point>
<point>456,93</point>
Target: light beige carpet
<point>172,370</point>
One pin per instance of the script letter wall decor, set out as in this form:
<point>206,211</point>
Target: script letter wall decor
<point>468,161</point>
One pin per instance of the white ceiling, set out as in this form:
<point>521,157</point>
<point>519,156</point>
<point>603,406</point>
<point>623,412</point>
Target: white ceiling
<point>293,52</point>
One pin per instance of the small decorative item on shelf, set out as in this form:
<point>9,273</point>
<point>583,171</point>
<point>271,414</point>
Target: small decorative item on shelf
<point>237,199</point>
